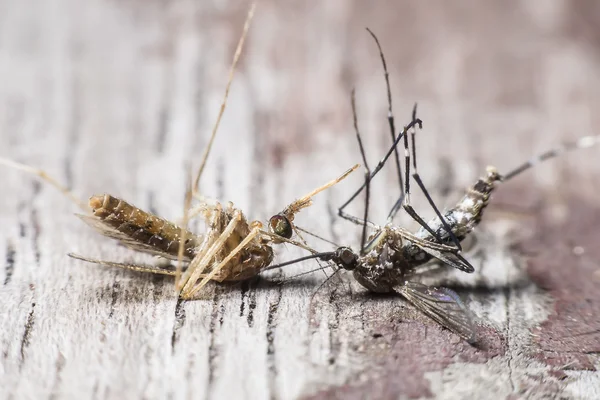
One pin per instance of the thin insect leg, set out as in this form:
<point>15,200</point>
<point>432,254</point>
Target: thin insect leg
<point>581,143</point>
<point>152,269</point>
<point>44,176</point>
<point>367,172</point>
<point>205,246</point>
<point>413,214</point>
<point>390,113</point>
<point>289,278</point>
<point>407,206</point>
<point>280,239</point>
<point>316,236</point>
<point>398,205</point>
<point>199,264</point>
<point>236,58</point>
<point>378,168</point>
<point>303,241</point>
<point>211,275</point>
<point>186,208</point>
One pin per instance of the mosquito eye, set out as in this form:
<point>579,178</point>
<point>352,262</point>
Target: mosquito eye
<point>281,226</point>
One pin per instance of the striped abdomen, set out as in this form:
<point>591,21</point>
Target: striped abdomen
<point>467,213</point>
<point>139,227</point>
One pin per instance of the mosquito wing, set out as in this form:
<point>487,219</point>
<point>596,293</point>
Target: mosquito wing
<point>443,306</point>
<point>108,231</point>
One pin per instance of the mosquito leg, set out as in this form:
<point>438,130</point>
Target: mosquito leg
<point>374,172</point>
<point>236,58</point>
<point>44,176</point>
<point>408,207</point>
<point>280,239</point>
<point>398,205</point>
<point>152,269</point>
<point>199,264</point>
<point>367,172</point>
<point>211,275</point>
<point>209,239</point>
<point>390,116</point>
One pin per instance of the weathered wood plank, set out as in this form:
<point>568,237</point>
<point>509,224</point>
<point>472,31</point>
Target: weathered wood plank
<point>119,97</point>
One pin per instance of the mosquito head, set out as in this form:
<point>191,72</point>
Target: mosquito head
<point>281,226</point>
<point>345,258</point>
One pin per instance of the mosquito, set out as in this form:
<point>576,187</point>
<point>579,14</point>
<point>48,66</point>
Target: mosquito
<point>232,248</point>
<point>390,257</point>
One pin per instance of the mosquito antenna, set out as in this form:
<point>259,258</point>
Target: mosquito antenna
<point>323,256</point>
<point>390,116</point>
<point>581,143</point>
<point>236,57</point>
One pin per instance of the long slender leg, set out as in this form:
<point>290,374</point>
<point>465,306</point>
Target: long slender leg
<point>374,172</point>
<point>199,264</point>
<point>44,176</point>
<point>398,205</point>
<point>209,239</point>
<point>182,233</point>
<point>407,206</point>
<point>367,172</point>
<point>390,113</point>
<point>153,269</point>
<point>236,58</point>
<point>253,233</point>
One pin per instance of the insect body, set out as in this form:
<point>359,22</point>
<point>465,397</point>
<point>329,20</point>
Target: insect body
<point>231,249</point>
<point>389,258</point>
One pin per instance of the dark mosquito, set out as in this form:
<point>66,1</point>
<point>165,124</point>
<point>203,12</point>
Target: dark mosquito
<point>389,257</point>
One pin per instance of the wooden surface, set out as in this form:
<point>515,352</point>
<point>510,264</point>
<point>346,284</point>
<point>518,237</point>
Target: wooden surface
<point>119,96</point>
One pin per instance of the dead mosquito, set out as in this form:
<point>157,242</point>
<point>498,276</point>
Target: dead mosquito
<point>231,249</point>
<point>389,257</point>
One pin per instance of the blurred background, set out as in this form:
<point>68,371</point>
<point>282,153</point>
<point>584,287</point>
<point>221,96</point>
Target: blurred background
<point>120,97</point>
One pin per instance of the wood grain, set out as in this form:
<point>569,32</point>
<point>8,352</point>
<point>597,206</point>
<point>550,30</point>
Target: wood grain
<point>119,97</point>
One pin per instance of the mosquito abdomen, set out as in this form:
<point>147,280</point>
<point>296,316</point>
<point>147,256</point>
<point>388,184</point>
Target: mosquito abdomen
<point>142,226</point>
<point>467,213</point>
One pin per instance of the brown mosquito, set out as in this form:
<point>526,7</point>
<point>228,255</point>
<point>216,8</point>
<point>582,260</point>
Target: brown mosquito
<point>389,258</point>
<point>231,249</point>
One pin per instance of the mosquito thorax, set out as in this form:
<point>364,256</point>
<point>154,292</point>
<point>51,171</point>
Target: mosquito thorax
<point>281,226</point>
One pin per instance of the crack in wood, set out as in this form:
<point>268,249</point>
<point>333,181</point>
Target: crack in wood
<point>212,348</point>
<point>508,340</point>
<point>26,338</point>
<point>59,366</point>
<point>178,323</point>
<point>9,267</point>
<point>270,336</point>
<point>114,296</point>
<point>35,223</point>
